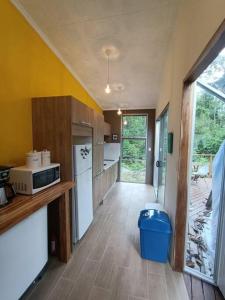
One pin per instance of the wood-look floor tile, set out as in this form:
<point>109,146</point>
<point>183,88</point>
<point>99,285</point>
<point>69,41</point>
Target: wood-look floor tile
<point>107,270</point>
<point>130,282</point>
<point>84,283</point>
<point>176,289</point>
<point>136,298</point>
<point>140,282</point>
<point>122,284</point>
<point>98,293</point>
<point>62,289</point>
<point>156,268</point>
<point>90,269</point>
<point>97,252</point>
<point>157,287</point>
<point>119,296</point>
<point>82,288</point>
<point>75,265</point>
<point>43,289</point>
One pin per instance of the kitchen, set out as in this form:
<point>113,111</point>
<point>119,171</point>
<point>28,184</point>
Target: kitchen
<point>82,132</point>
<point>90,105</point>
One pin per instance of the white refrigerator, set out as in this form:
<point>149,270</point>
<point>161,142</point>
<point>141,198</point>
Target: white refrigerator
<point>83,204</point>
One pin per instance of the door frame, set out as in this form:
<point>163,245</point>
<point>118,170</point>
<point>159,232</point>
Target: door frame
<point>210,52</point>
<point>150,138</point>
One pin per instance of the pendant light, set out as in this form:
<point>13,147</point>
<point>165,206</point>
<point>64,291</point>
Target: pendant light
<point>119,112</point>
<point>107,89</point>
<point>125,120</point>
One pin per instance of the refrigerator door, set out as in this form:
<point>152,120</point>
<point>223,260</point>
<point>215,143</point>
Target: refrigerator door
<point>84,204</point>
<point>82,158</point>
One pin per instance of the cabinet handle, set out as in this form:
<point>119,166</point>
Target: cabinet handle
<point>85,123</point>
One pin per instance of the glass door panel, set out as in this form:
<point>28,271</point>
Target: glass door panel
<point>206,180</point>
<point>134,143</point>
<point>162,156</point>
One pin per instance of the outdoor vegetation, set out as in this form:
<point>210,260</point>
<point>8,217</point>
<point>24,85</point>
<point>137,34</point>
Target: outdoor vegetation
<point>210,112</point>
<point>209,125</point>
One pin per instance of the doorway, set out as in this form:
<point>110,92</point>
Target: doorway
<point>134,148</point>
<point>206,172</point>
<point>161,149</point>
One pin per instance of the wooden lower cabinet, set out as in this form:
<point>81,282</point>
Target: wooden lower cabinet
<point>98,159</point>
<point>98,190</point>
<point>102,183</point>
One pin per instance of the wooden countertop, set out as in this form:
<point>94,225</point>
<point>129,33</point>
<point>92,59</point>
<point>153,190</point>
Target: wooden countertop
<point>24,205</point>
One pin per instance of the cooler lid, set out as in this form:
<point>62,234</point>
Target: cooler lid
<point>154,220</point>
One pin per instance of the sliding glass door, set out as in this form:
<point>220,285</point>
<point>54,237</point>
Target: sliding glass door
<point>205,248</point>
<point>134,144</point>
<point>161,157</point>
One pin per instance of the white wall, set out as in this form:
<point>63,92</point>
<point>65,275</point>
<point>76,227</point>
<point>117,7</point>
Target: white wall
<point>196,23</point>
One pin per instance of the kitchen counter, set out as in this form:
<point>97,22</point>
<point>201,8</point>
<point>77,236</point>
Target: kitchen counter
<point>23,206</point>
<point>109,163</point>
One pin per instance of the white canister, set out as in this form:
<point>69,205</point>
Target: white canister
<point>45,158</point>
<point>33,159</point>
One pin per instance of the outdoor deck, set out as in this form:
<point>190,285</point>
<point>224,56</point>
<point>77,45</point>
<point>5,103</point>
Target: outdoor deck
<point>197,256</point>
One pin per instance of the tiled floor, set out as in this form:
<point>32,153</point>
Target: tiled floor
<point>106,264</point>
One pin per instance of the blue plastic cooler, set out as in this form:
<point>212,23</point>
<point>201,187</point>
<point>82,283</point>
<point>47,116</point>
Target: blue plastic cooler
<point>155,235</point>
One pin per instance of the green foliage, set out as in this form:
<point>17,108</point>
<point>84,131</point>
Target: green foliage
<point>209,123</point>
<point>133,171</point>
<point>134,165</point>
<point>134,149</point>
<point>136,126</point>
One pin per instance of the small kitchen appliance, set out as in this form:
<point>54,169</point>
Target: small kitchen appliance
<point>6,189</point>
<point>29,181</point>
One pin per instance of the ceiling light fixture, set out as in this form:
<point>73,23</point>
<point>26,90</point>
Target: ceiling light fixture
<point>119,112</point>
<point>107,89</point>
<point>125,120</point>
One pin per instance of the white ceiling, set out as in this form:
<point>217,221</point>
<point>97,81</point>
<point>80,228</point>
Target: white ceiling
<point>137,31</point>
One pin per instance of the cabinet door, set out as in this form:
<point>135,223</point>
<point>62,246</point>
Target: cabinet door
<point>107,129</point>
<point>98,190</point>
<point>98,159</point>
<point>116,172</point>
<point>81,114</point>
<point>104,183</point>
<point>98,128</point>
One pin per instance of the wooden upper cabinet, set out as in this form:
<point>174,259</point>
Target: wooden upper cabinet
<point>82,114</point>
<point>57,118</point>
<point>107,129</point>
<point>98,128</point>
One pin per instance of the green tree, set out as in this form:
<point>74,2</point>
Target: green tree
<point>209,123</point>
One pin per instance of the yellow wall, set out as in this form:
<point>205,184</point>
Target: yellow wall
<point>196,23</point>
<point>28,69</point>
